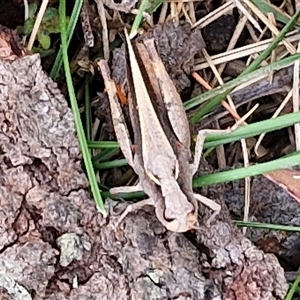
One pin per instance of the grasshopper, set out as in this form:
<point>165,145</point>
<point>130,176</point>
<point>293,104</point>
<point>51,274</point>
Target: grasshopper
<point>161,156</point>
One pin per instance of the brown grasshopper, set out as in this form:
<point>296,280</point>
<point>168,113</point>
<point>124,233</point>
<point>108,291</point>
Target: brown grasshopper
<point>162,143</point>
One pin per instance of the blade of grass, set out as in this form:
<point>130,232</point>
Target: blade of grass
<point>129,196</point>
<point>70,30</point>
<point>226,176</point>
<point>138,18</point>
<point>110,164</point>
<point>253,66</point>
<point>154,6</point>
<point>292,290</point>
<point>76,114</point>
<point>231,175</point>
<point>244,132</point>
<point>253,130</point>
<point>267,226</point>
<point>288,27</point>
<point>266,8</point>
<point>103,145</point>
<point>88,114</point>
<point>105,155</point>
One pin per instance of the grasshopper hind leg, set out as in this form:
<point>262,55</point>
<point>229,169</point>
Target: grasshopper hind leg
<point>131,208</point>
<point>214,206</point>
<point>126,189</point>
<point>200,143</point>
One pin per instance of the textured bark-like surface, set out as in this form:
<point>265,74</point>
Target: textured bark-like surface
<point>177,44</point>
<point>250,273</point>
<point>54,243</point>
<point>270,203</point>
<point>123,5</point>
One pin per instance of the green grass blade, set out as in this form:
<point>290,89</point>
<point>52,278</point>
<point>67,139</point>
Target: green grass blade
<point>240,173</point>
<point>103,145</point>
<point>293,289</point>
<point>253,130</point>
<point>231,175</point>
<point>105,155</point>
<point>70,30</point>
<point>242,132</point>
<point>87,111</point>
<point>76,114</point>
<point>279,15</point>
<point>138,19</point>
<point>128,196</point>
<point>111,164</point>
<point>154,6</point>
<point>267,226</point>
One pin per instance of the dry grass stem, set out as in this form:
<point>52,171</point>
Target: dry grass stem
<point>163,13</point>
<point>296,99</point>
<point>214,15</point>
<point>276,114</point>
<point>187,17</point>
<point>236,34</point>
<point>105,41</point>
<point>192,12</point>
<point>221,153</point>
<point>244,51</point>
<point>37,24</point>
<point>272,28</point>
<point>273,54</point>
<point>201,81</point>
<point>248,15</point>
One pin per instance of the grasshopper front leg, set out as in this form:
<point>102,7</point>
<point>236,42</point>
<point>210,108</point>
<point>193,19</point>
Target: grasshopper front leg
<point>214,206</point>
<point>194,167</point>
